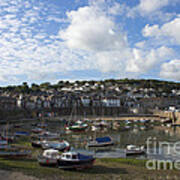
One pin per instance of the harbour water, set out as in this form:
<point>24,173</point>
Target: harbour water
<point>161,140</point>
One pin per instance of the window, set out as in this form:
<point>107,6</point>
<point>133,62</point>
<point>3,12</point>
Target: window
<point>74,156</point>
<point>68,156</point>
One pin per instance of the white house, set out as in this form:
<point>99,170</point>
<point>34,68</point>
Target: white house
<point>111,102</point>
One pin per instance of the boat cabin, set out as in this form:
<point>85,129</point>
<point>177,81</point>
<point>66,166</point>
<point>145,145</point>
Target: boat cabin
<point>70,156</point>
<point>134,147</point>
<point>51,153</point>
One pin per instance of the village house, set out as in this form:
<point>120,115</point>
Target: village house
<point>162,103</point>
<point>85,101</point>
<point>7,103</point>
<point>111,102</point>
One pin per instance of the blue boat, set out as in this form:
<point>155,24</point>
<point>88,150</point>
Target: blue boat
<point>101,142</point>
<point>21,133</point>
<point>75,160</point>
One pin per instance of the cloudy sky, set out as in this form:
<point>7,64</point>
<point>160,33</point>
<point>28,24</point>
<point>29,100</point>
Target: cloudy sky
<point>51,40</point>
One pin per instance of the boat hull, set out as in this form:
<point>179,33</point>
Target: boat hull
<point>63,164</point>
<point>44,161</point>
<point>134,153</point>
<point>101,144</point>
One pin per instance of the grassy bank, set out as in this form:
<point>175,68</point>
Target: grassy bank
<point>102,170</point>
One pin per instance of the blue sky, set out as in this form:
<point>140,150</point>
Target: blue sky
<point>45,40</point>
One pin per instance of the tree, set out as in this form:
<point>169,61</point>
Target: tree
<point>35,87</point>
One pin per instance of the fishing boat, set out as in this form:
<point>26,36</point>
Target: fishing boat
<point>49,157</point>
<point>101,142</point>
<point>75,160</point>
<point>60,146</point>
<point>134,150</point>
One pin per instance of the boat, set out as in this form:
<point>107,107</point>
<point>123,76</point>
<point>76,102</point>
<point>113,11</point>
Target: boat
<point>37,130</point>
<point>14,154</point>
<point>19,125</point>
<point>42,125</point>
<point>101,142</point>
<point>8,138</point>
<point>95,128</point>
<point>75,160</point>
<point>21,133</point>
<point>134,150</point>
<point>49,157</point>
<point>3,142</point>
<point>60,146</point>
<point>48,135</point>
<point>77,127</point>
<point>38,143</point>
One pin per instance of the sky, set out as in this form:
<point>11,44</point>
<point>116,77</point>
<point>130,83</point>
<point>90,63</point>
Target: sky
<point>53,40</point>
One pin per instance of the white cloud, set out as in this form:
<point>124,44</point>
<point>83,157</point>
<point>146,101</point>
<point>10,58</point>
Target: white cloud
<point>144,60</point>
<point>150,6</point>
<point>171,70</point>
<point>91,39</point>
<point>153,9</point>
<point>93,31</point>
<point>169,31</point>
<point>90,29</point>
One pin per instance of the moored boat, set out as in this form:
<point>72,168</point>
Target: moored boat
<point>21,133</point>
<point>9,139</point>
<point>38,143</point>
<point>101,142</point>
<point>134,150</point>
<point>49,157</point>
<point>48,135</point>
<point>75,160</point>
<point>15,154</point>
<point>77,127</point>
<point>60,146</point>
<point>37,130</point>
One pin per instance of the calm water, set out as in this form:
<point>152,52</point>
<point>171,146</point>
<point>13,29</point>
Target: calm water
<point>158,134</point>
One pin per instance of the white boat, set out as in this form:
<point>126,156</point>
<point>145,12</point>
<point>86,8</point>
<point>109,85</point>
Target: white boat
<point>95,128</point>
<point>49,157</point>
<point>60,146</point>
<point>134,150</point>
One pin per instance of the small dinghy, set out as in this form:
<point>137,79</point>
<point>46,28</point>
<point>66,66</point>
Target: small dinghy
<point>101,142</point>
<point>49,157</point>
<point>9,139</point>
<point>74,160</point>
<point>78,126</point>
<point>37,130</point>
<point>42,125</point>
<point>38,143</point>
<point>134,150</point>
<point>48,135</point>
<point>3,142</point>
<point>60,146</point>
